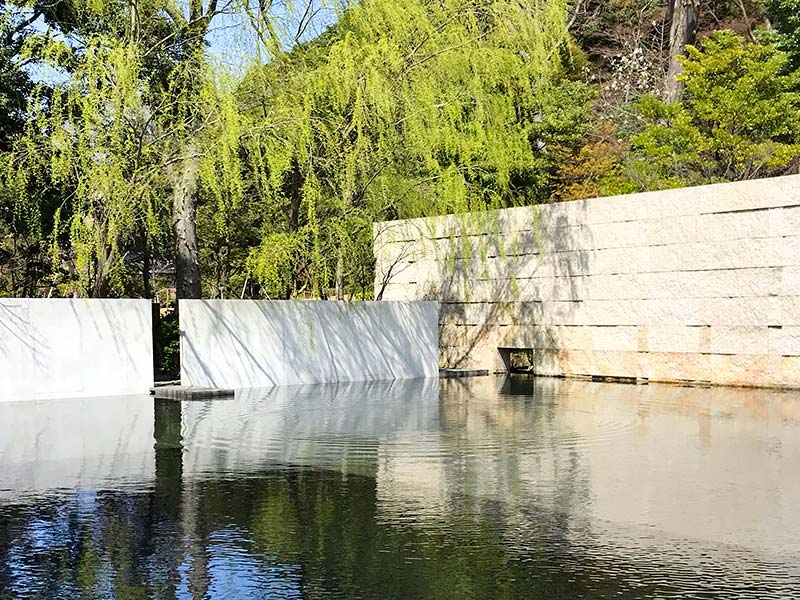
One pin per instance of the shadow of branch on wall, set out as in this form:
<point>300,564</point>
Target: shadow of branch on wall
<point>503,279</point>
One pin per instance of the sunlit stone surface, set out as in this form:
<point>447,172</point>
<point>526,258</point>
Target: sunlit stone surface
<point>698,283</point>
<point>485,487</point>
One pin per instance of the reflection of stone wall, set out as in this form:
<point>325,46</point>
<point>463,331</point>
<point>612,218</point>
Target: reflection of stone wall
<point>699,284</point>
<point>246,343</point>
<point>61,348</point>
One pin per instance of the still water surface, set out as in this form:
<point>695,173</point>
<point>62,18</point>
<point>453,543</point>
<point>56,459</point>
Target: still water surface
<point>481,488</point>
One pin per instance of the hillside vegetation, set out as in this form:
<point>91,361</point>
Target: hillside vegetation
<point>132,160</point>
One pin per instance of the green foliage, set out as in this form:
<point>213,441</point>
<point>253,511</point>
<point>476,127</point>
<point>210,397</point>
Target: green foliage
<point>15,83</point>
<point>86,141</point>
<point>740,118</point>
<point>402,110</point>
<point>785,17</point>
<point>134,103</point>
<point>168,343</point>
<point>593,169</point>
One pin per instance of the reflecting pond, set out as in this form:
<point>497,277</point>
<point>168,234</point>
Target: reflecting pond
<point>506,487</point>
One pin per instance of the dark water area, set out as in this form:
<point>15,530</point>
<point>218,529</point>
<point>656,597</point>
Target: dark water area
<point>482,488</point>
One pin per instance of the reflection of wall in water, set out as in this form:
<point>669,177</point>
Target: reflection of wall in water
<point>331,426</point>
<point>85,443</point>
<point>491,447</point>
<point>709,464</point>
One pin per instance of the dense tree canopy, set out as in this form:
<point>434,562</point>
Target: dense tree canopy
<point>131,160</point>
<point>740,120</point>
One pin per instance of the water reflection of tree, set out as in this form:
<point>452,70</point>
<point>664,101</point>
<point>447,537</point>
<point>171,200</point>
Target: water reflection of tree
<point>510,522</point>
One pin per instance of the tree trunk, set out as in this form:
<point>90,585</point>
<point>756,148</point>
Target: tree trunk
<point>348,202</point>
<point>294,193</point>
<point>683,32</point>
<point>340,276</point>
<point>184,209</point>
<point>103,266</point>
<point>146,267</point>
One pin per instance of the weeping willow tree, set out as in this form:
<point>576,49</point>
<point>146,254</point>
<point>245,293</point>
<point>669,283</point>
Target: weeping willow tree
<point>119,137</point>
<point>402,109</point>
<point>399,109</point>
<point>83,140</point>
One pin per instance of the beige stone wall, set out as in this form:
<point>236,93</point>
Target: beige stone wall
<point>692,284</point>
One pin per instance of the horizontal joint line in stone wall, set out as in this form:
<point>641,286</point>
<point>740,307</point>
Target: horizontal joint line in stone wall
<point>749,210</point>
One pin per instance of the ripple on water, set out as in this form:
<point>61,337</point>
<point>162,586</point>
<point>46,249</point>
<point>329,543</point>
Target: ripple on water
<point>543,488</point>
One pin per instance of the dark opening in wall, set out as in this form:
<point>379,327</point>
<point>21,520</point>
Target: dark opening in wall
<point>516,360</point>
<point>166,342</point>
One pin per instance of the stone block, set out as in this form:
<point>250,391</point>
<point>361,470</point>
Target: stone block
<point>588,363</point>
<point>754,193</point>
<point>545,217</point>
<point>619,286</point>
<point>733,312</point>
<point>552,289</point>
<point>560,264</point>
<point>676,366</point>
<point>789,311</point>
<point>401,291</point>
<point>601,236</point>
<point>618,338</point>
<point>614,312</point>
<point>722,283</point>
<point>745,369</point>
<point>784,341</point>
<point>558,240</point>
<point>552,313</point>
<point>615,363</point>
<point>473,336</point>
<point>516,336</point>
<point>478,247</point>
<point>789,376</point>
<point>389,254</point>
<point>710,227</point>
<point>729,254</point>
<point>791,250</point>
<point>785,221</point>
<point>498,313</point>
<point>790,281</point>
<point>739,339</point>
<point>616,209</point>
<point>554,337</point>
<point>610,261</point>
<point>680,339</point>
<point>563,362</point>
<point>458,357</point>
<point>695,228</point>
<point>468,313</point>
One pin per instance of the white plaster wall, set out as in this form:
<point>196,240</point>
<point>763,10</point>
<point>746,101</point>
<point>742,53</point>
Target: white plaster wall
<point>255,343</point>
<point>62,348</point>
<point>699,284</point>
